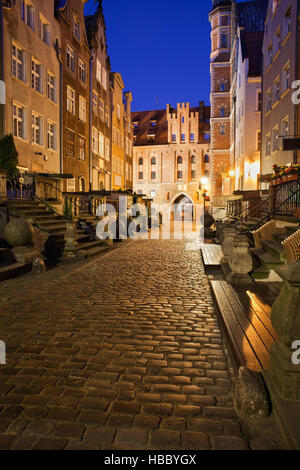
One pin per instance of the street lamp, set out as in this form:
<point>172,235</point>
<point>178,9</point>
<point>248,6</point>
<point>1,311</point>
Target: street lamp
<point>204,185</point>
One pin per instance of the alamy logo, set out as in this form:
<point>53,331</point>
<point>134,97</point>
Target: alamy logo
<point>296,354</point>
<point>2,353</point>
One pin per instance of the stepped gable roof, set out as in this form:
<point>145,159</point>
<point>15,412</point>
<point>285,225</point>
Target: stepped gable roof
<point>144,119</point>
<point>251,43</point>
<point>251,15</point>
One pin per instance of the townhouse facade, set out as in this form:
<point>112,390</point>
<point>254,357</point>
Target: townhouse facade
<point>171,161</point>
<point>100,101</point>
<point>59,95</point>
<point>31,38</point>
<point>280,71</point>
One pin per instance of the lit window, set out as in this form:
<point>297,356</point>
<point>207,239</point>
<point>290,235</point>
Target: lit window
<point>82,70</point>
<point>36,75</point>
<point>98,70</point>
<point>118,111</point>
<point>95,146</point>
<point>101,109</point>
<point>18,63</point>
<point>259,102</point>
<point>51,135</point>
<point>70,55</point>
<point>51,87</point>
<point>95,103</point>
<point>19,121</point>
<point>82,148</point>
<point>36,129</point>
<point>107,116</point>
<point>101,144</point>
<point>70,100</point>
<point>82,109</point>
<point>70,143</point>
<point>152,193</point>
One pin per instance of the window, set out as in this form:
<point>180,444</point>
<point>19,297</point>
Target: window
<point>36,75</point>
<point>183,120</point>
<point>269,56</point>
<point>101,144</point>
<point>222,129</point>
<point>277,42</point>
<point>153,175</point>
<point>98,70</point>
<point>141,161</point>
<point>44,27</point>
<point>258,141</point>
<point>274,5</point>
<point>70,100</point>
<point>285,127</point>
<point>70,55</point>
<point>192,137</point>
<point>51,87</point>
<point>268,145</point>
<point>276,90</point>
<point>287,23</point>
<point>152,193</point>
<point>76,28</point>
<point>70,143</point>
<point>222,112</point>
<point>193,159</point>
<point>18,62</point>
<point>82,148</point>
<point>118,111</point>
<point>286,78</point>
<point>104,78</point>
<point>222,87</point>
<point>179,160</point>
<point>95,146</point>
<point>27,14</point>
<point>224,20</point>
<point>275,139</point>
<point>269,100</point>
<point>36,129</point>
<point>107,116</point>
<point>173,137</point>
<point>82,70</point>
<point>71,185</point>
<point>182,137</point>
<point>223,41</point>
<point>206,159</point>
<point>19,121</point>
<point>82,109</point>
<point>101,109</point>
<point>259,102</point>
<point>179,175</point>
<point>95,103</point>
<point>153,161</point>
<point>51,135</point>
<point>107,148</point>
<point>206,136</point>
<point>141,175</point>
<point>193,174</point>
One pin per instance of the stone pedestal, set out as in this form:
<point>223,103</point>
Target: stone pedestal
<point>240,261</point>
<point>284,370</point>
<point>228,243</point>
<point>70,239</point>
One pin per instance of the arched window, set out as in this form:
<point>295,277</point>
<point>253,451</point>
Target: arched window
<point>179,160</point>
<point>141,161</point>
<point>206,159</point>
<point>168,196</point>
<point>153,161</point>
<point>81,184</point>
<point>193,159</point>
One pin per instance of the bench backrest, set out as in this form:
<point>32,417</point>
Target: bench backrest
<point>291,246</point>
<point>265,232</point>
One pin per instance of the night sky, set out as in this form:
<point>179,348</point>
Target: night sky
<point>161,48</point>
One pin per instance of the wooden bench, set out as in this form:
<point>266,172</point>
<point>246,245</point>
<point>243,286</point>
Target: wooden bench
<point>212,255</point>
<point>291,246</point>
<point>247,323</point>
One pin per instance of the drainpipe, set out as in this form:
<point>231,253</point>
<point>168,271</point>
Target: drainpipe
<point>2,83</point>
<point>61,99</point>
<point>111,128</point>
<point>90,121</point>
<point>297,44</point>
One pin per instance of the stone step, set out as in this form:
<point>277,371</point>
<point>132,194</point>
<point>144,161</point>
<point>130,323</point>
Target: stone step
<point>290,229</point>
<point>6,257</point>
<point>84,254</point>
<point>55,221</point>
<point>14,270</point>
<point>89,245</point>
<point>260,273</point>
<point>273,247</point>
<point>53,229</point>
<point>268,260</point>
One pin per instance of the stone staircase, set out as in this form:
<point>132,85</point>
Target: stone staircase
<point>9,268</point>
<point>55,226</point>
<point>271,255</point>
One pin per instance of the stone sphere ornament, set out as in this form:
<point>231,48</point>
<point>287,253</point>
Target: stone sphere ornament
<point>18,232</point>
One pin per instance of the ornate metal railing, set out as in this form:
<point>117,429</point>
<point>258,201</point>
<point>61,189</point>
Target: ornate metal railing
<point>287,199</point>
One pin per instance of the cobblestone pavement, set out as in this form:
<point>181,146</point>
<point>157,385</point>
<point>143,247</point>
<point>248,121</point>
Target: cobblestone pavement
<point>122,352</point>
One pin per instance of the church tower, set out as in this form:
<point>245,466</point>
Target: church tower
<point>220,18</point>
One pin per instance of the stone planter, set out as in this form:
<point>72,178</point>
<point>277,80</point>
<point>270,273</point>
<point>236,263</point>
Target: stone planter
<point>292,177</point>
<point>19,232</point>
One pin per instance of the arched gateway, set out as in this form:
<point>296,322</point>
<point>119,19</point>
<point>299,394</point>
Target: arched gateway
<point>182,207</point>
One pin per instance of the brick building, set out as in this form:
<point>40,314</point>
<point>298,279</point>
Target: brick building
<point>171,153</point>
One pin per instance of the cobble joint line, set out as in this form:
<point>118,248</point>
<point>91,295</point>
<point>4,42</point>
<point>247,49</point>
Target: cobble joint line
<point>124,353</point>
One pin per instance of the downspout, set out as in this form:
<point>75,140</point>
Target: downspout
<point>2,83</point>
<point>110,143</point>
<point>61,98</point>
<point>296,112</point>
<point>90,122</point>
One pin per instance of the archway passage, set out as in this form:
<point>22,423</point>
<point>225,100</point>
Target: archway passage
<point>183,208</point>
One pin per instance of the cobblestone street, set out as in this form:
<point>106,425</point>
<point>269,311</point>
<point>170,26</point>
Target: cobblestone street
<point>121,352</point>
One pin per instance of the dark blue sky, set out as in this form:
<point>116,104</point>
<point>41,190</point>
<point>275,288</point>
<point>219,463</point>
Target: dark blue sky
<point>161,48</point>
